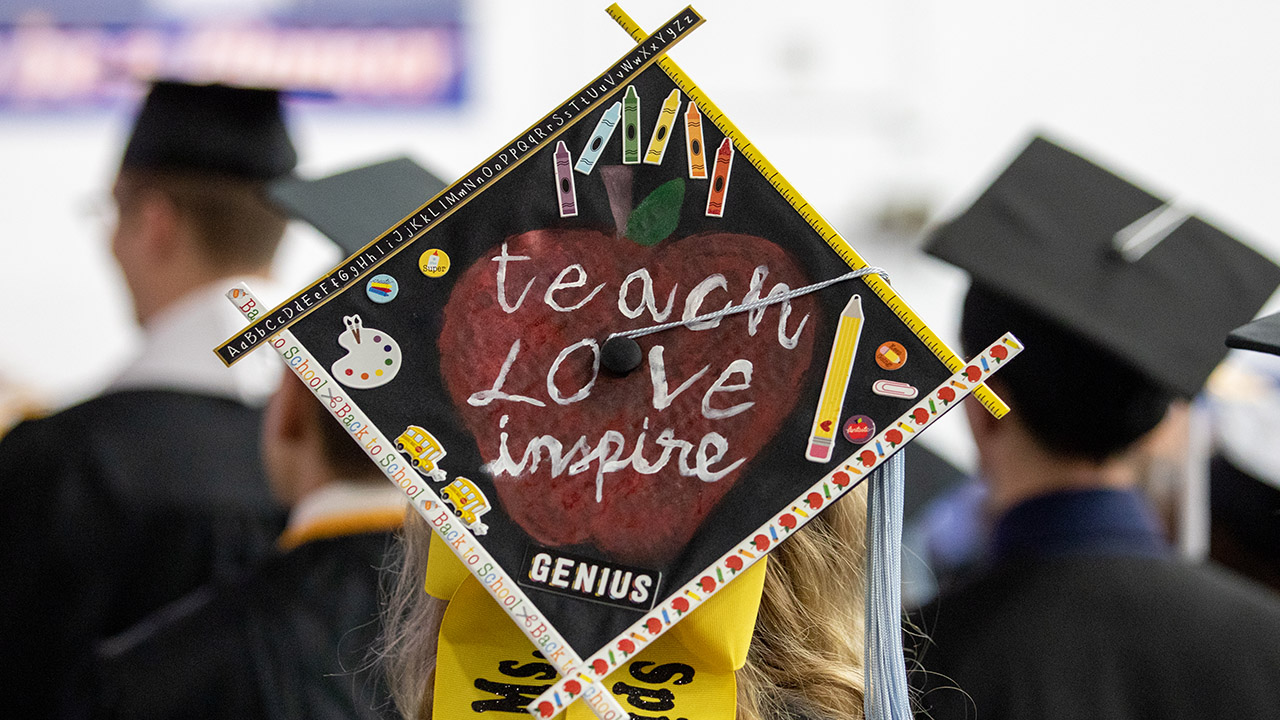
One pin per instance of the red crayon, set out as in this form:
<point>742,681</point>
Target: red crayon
<point>720,181</point>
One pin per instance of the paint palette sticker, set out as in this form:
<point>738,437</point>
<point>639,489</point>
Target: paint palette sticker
<point>372,359</point>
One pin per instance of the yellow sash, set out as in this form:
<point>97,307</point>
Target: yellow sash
<point>485,664</point>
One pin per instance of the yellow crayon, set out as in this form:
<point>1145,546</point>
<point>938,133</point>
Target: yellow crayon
<point>693,142</point>
<point>661,131</point>
<point>835,382</point>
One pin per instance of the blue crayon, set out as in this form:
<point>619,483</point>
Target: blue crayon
<point>599,138</point>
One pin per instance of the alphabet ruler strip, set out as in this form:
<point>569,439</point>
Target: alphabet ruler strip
<point>446,202</point>
<point>423,498</point>
<point>847,476</point>
<point>989,400</point>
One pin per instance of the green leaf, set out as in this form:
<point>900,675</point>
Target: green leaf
<point>657,217</point>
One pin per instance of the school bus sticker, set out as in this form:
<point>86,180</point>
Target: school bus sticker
<point>468,503</point>
<point>424,451</point>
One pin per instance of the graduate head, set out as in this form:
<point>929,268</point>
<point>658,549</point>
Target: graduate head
<point>806,650</point>
<point>303,449</point>
<point>189,192</point>
<point>1076,398</point>
<point>1120,297</point>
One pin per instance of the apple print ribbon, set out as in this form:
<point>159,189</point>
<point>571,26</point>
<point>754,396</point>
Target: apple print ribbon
<point>485,664</point>
<point>772,298</point>
<point>422,497</point>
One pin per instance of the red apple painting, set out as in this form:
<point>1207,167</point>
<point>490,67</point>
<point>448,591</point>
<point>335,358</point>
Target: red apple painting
<point>579,455</point>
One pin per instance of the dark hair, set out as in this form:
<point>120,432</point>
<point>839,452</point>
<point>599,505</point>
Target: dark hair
<point>1074,397</point>
<point>234,225</point>
<point>342,452</point>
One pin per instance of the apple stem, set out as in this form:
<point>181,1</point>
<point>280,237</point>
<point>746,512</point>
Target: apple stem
<point>617,183</point>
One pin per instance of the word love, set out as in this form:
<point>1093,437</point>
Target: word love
<point>564,294</point>
<point>662,397</point>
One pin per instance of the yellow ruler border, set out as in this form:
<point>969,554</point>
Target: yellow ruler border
<point>899,306</point>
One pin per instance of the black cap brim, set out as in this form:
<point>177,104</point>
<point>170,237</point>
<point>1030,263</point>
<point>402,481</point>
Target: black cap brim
<point>354,207</point>
<point>1262,335</point>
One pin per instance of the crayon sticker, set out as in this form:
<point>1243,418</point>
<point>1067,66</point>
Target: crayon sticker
<point>891,355</point>
<point>859,429</point>
<point>434,263</point>
<point>382,288</point>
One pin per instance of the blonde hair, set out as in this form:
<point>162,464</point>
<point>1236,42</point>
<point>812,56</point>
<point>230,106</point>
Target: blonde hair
<point>806,654</point>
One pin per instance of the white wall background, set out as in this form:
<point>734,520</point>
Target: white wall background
<point>864,105</point>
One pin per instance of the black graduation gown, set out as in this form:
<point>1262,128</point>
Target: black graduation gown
<point>289,642</point>
<point>1099,627</point>
<point>108,511</point>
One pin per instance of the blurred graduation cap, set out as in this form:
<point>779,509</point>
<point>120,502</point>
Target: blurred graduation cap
<point>355,206</point>
<point>215,128</point>
<point>1262,335</point>
<point>1136,274</point>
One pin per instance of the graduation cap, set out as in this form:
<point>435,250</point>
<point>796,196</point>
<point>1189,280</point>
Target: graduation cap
<point>355,206</point>
<point>1262,335</point>
<point>771,371</point>
<point>211,128</point>
<point>1134,273</point>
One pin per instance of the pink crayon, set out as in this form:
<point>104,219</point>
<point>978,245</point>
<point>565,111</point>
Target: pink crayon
<point>564,181</point>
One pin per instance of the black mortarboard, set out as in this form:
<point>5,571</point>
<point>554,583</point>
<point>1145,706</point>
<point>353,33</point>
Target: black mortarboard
<point>1262,335</point>
<point>1126,269</point>
<point>472,335</point>
<point>212,128</point>
<point>353,207</point>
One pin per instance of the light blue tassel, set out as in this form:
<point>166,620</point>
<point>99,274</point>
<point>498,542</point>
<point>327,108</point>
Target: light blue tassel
<point>886,669</point>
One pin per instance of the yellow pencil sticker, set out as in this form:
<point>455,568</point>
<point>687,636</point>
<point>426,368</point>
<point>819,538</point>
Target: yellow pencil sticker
<point>822,437</point>
<point>662,131</point>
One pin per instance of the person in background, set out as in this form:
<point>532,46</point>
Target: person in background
<point>1244,398</point>
<point>290,639</point>
<point>1080,609</point>
<point>114,507</point>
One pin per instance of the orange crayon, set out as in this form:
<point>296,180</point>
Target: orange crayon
<point>693,142</point>
<point>720,179</point>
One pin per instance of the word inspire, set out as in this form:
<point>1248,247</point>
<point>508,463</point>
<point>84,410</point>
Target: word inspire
<point>586,579</point>
<point>609,453</point>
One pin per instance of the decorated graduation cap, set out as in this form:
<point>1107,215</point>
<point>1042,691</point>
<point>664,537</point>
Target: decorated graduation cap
<point>352,206</point>
<point>215,128</point>
<point>1262,335</point>
<point>625,361</point>
<point>1138,275</point>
